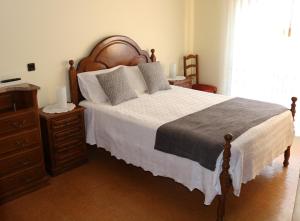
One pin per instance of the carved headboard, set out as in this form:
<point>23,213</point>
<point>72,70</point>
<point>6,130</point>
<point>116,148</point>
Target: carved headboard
<point>110,52</point>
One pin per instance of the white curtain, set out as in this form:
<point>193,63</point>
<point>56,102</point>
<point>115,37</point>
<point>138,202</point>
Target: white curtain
<point>263,50</point>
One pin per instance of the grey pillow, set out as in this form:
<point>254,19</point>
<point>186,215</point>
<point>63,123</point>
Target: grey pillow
<point>116,86</point>
<point>154,77</point>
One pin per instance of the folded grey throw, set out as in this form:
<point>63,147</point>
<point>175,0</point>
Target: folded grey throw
<point>200,136</point>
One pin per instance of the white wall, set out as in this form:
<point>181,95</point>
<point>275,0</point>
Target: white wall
<point>209,40</point>
<point>49,33</point>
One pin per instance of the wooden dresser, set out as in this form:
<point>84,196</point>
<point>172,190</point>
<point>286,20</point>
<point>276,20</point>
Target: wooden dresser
<point>64,140</point>
<point>21,155</point>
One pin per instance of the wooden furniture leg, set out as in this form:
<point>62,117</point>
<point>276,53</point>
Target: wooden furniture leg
<point>293,106</point>
<point>153,57</point>
<point>287,153</point>
<point>225,179</point>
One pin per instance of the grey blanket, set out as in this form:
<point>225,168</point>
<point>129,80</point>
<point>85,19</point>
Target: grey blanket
<point>200,136</point>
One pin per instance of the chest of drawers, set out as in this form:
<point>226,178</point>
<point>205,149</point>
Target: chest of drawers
<point>64,140</point>
<point>21,154</point>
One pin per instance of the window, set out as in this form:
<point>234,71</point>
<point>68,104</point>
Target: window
<point>265,48</point>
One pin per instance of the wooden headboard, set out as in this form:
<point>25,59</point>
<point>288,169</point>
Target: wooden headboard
<point>110,52</point>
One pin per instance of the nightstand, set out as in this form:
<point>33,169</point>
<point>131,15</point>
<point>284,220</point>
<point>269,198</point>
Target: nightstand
<point>181,82</point>
<point>63,137</point>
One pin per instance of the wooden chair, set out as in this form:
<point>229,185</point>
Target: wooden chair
<point>194,74</point>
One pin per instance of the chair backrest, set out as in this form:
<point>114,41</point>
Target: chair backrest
<point>190,62</point>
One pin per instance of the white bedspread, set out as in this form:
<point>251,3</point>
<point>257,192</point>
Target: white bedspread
<point>128,132</point>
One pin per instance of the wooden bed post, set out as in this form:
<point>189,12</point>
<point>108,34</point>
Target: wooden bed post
<point>225,179</point>
<point>293,106</point>
<point>153,57</point>
<point>73,83</point>
<point>287,153</point>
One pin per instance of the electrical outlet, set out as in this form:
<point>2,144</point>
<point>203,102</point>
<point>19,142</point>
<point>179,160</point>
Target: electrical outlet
<point>31,67</point>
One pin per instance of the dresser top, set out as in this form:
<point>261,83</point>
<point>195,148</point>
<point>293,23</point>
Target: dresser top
<point>19,87</point>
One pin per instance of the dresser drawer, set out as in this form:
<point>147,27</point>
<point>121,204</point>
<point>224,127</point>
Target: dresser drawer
<point>21,180</point>
<point>19,142</point>
<point>20,161</point>
<point>17,122</point>
<point>6,103</point>
<point>66,122</point>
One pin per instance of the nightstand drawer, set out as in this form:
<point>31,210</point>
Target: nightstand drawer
<point>68,134</point>
<point>21,180</point>
<point>19,142</point>
<point>18,122</point>
<point>20,161</point>
<point>69,154</point>
<point>66,122</point>
<point>68,143</point>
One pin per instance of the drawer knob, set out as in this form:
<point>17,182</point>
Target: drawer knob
<point>28,180</point>
<point>22,143</point>
<point>19,124</point>
<point>25,163</point>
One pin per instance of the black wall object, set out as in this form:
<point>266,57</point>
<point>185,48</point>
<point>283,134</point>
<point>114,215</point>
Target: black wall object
<point>31,67</point>
<point>10,80</point>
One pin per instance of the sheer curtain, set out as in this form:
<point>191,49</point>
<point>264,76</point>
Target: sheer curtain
<point>263,54</point>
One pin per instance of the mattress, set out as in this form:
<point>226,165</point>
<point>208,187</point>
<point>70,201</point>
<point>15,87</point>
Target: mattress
<point>128,132</point>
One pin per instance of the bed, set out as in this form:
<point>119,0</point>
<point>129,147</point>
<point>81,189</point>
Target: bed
<point>128,130</point>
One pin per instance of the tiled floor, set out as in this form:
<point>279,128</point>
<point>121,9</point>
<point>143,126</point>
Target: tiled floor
<point>106,189</point>
<point>296,214</point>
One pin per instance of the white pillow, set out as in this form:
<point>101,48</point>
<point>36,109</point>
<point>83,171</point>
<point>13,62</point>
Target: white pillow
<point>92,91</point>
<point>136,79</point>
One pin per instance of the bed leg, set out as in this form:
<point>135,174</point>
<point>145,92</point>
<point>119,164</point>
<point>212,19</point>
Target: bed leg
<point>287,153</point>
<point>225,179</point>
